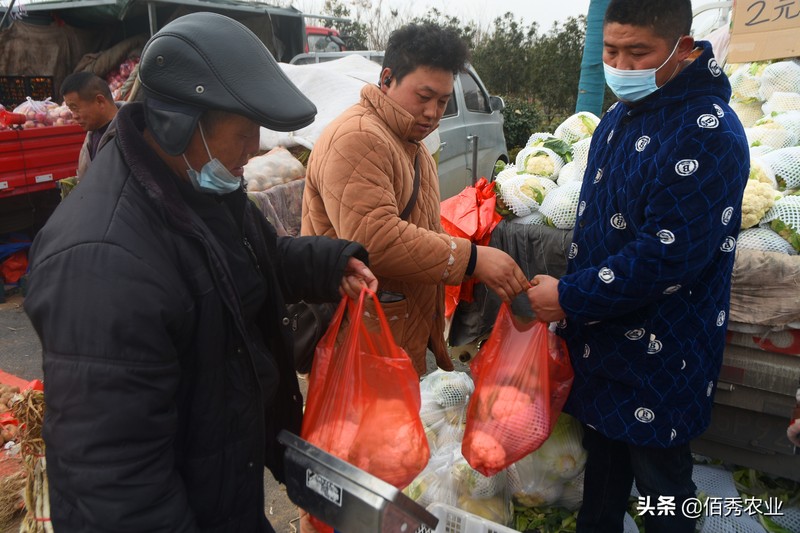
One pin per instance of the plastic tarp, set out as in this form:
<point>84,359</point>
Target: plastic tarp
<point>333,86</point>
<point>765,288</point>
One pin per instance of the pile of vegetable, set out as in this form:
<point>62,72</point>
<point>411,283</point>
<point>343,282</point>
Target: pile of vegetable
<point>275,167</point>
<point>10,427</point>
<point>119,76</point>
<point>766,98</point>
<point>548,482</point>
<point>28,409</point>
<point>542,186</point>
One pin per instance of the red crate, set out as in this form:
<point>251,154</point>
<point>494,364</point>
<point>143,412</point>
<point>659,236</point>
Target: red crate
<point>34,159</point>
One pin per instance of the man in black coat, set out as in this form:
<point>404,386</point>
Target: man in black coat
<point>158,292</point>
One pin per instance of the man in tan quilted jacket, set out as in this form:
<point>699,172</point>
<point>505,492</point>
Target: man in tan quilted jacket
<point>360,179</point>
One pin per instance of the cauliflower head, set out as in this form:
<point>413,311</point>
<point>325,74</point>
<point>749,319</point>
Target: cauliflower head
<point>539,164</point>
<point>484,453</point>
<point>758,198</point>
<point>533,188</point>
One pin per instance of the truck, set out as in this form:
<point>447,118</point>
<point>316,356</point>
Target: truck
<point>44,41</point>
<point>322,39</point>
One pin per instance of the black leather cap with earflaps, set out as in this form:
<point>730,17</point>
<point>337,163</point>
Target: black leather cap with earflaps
<point>209,61</point>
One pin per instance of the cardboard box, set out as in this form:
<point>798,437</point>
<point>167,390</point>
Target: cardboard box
<point>764,29</point>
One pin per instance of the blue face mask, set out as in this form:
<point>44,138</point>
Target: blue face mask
<point>633,85</point>
<point>213,177</point>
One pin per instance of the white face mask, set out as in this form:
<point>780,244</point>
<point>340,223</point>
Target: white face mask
<point>213,177</point>
<point>633,85</point>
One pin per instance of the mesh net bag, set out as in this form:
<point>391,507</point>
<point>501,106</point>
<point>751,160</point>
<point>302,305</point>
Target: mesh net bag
<point>444,397</point>
<point>785,164</point>
<point>784,219</point>
<point>561,205</point>
<point>790,519</point>
<point>745,83</point>
<point>539,161</point>
<point>781,102</point>
<point>748,112</point>
<point>783,76</point>
<point>718,484</point>
<point>760,151</point>
<point>535,218</point>
<point>763,240</point>
<point>579,126</point>
<point>538,137</point>
<point>509,172</point>
<point>520,204</point>
<point>768,133</point>
<point>790,120</point>
<point>524,193</point>
<point>447,389</point>
<point>580,152</point>
<point>761,171</point>
<point>570,173</point>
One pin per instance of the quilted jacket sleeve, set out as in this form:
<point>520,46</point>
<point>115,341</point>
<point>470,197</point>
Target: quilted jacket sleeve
<point>357,195</point>
<point>693,212</point>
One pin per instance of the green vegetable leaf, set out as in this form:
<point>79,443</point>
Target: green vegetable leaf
<point>590,125</point>
<point>560,147</point>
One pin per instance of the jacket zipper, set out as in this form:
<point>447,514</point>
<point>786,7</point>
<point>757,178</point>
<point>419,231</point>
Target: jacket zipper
<point>252,253</point>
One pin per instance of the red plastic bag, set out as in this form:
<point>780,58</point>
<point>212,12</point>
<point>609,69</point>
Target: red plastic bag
<point>471,214</point>
<point>363,396</point>
<point>14,267</point>
<point>522,379</point>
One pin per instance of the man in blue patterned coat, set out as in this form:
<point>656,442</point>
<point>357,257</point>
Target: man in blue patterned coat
<point>644,304</point>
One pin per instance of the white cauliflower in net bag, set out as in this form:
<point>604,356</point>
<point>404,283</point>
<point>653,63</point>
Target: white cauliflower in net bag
<point>539,161</point>
<point>748,112</point>
<point>782,76</point>
<point>763,240</point>
<point>762,172</point>
<point>784,219</point>
<point>781,102</point>
<point>770,133</point>
<point>524,193</point>
<point>746,81</point>
<point>579,126</point>
<point>785,164</point>
<point>561,205</point>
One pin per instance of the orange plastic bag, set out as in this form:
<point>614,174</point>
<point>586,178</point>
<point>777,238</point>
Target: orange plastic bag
<point>363,396</point>
<point>522,379</point>
<point>14,267</point>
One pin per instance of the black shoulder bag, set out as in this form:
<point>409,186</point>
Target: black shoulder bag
<point>310,321</point>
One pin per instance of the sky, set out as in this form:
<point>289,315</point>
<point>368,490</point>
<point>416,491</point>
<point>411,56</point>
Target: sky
<point>543,12</point>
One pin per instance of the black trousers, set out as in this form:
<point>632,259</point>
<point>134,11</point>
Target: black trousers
<point>611,468</point>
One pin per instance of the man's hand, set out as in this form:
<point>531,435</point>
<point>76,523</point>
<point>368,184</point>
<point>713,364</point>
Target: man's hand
<point>543,296</point>
<point>498,271</point>
<point>356,276</point>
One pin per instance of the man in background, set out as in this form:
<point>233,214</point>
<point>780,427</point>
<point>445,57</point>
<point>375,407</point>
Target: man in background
<point>93,108</point>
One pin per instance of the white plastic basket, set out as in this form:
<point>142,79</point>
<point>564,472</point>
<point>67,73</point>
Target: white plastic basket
<point>454,520</point>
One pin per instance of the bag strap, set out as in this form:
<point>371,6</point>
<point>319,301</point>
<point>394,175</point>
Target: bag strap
<point>414,192</point>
